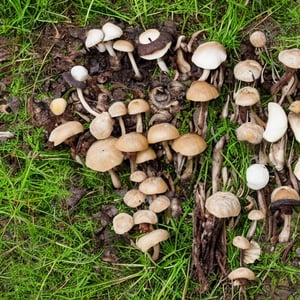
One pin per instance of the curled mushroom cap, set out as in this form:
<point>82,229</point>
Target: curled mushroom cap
<point>277,123</point>
<point>189,144</point>
<point>153,185</point>
<point>250,132</point>
<point>58,106</point>
<point>223,205</point>
<point>257,176</point>
<point>134,198</point>
<point>290,58</point>
<point>241,276</point>
<point>65,131</point>
<point>122,223</point>
<point>201,91</point>
<point>251,254</point>
<point>258,39</point>
<point>247,70</point>
<point>151,239</point>
<point>247,96</point>
<point>145,216</point>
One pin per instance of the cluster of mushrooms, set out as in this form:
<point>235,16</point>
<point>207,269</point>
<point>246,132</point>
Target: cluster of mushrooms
<point>267,132</point>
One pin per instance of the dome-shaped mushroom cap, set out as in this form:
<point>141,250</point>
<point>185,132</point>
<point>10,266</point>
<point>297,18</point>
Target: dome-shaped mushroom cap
<point>284,192</point>
<point>258,39</point>
<point>151,239</point>
<point>153,185</point>
<point>145,155</point>
<point>250,132</point>
<point>145,216</point>
<point>58,106</point>
<point>111,31</point>
<point>122,223</point>
<point>290,58</point>
<point>162,132</point>
<point>223,205</point>
<point>247,96</point>
<point>160,204</point>
<point>123,46</point>
<point>189,144</point>
<point>93,37</point>
<point>201,91</point>
<point>247,70</point>
<point>257,176</point>
<point>138,176</point>
<point>241,273</point>
<point>209,55</point>
<point>256,215</point>
<point>103,155</point>
<point>137,106</point>
<point>134,198</point>
<point>132,142</point>
<point>117,109</point>
<point>79,73</point>
<point>101,127</point>
<point>241,242</point>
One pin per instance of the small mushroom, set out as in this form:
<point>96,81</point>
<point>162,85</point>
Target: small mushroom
<point>94,38</point>
<point>294,121</point>
<point>138,176</point>
<point>160,204</point>
<point>58,106</point>
<point>153,185</point>
<point>251,254</point>
<point>111,32</point>
<point>250,132</point>
<point>247,70</point>
<point>138,107</point>
<point>144,216</point>
<point>117,110</point>
<point>134,198</point>
<point>101,127</point>
<point>122,223</point>
<point>257,176</point>
<point>241,242</point>
<point>145,155</point>
<point>241,276</point>
<point>254,215</point>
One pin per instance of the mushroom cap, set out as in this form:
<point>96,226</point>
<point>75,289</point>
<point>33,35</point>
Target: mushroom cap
<point>137,106</point>
<point>103,155</point>
<point>247,70</point>
<point>250,132</point>
<point>290,58</point>
<point>145,155</point>
<point>122,223</point>
<point>257,176</point>
<point>256,215</point>
<point>241,242</point>
<point>65,131</point>
<point>134,198</point>
<point>153,185</point>
<point>117,109</point>
<point>258,39</point>
<point>294,121</point>
<point>296,170</point>
<point>111,31</point>
<point>252,254</point>
<point>247,96</point>
<point>241,273</point>
<point>79,73</point>
<point>151,239</point>
<point>132,142</point>
<point>160,204</point>
<point>162,132</point>
<point>295,106</point>
<point>58,106</point>
<point>223,205</point>
<point>138,176</point>
<point>201,91</point>
<point>189,144</point>
<point>93,37</point>
<point>145,216</point>
<point>209,55</point>
<point>284,192</point>
<point>101,126</point>
<point>123,46</point>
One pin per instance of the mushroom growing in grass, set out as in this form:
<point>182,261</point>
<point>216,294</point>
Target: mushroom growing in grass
<point>64,131</point>
<point>138,107</point>
<point>134,198</point>
<point>251,254</point>
<point>254,215</point>
<point>250,132</point>
<point>128,47</point>
<point>247,70</point>
<point>258,40</point>
<point>80,74</point>
<point>241,276</point>
<point>122,223</point>
<point>153,45</point>
<point>117,110</point>
<point>103,156</point>
<point>159,204</point>
<point>153,185</point>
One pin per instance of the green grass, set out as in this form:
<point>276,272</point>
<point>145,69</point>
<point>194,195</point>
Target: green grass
<point>48,252</point>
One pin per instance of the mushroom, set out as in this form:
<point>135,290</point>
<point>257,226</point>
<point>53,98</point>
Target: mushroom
<point>290,58</point>
<point>241,243</point>
<point>153,44</point>
<point>134,198</point>
<point>127,46</point>
<point>103,156</point>
<point>117,110</point>
<point>159,204</point>
<point>257,176</point>
<point>122,223</point>
<point>250,132</point>
<point>209,56</point>
<point>251,254</point>
<point>294,121</point>
<point>137,107</point>
<point>111,32</point>
<point>101,127</point>
<point>247,70</point>
<point>284,198</point>
<point>258,40</point>
<point>153,185</point>
<point>189,145</point>
<point>64,131</point>
<point>277,123</point>
<point>144,216</point>
<point>163,133</point>
<point>58,106</point>
<point>152,240</point>
<point>145,155</point>
<point>254,215</point>
<point>94,38</point>
<point>138,176</point>
<point>241,276</point>
<point>80,73</point>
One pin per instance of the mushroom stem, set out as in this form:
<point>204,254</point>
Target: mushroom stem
<point>139,123</point>
<point>251,230</point>
<point>167,149</point>
<point>109,48</point>
<point>201,125</point>
<point>204,75</point>
<point>85,104</point>
<point>155,253</point>
<point>135,68</point>
<point>122,125</point>
<point>114,179</point>
<point>284,235</point>
<point>188,171</point>
<point>162,65</point>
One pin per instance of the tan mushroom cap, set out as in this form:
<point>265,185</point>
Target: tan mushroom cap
<point>145,155</point>
<point>209,55</point>
<point>251,254</point>
<point>201,91</point>
<point>241,273</point>
<point>290,58</point>
<point>247,96</point>
<point>134,198</point>
<point>64,131</point>
<point>132,142</point>
<point>153,185</point>
<point>151,239</point>
<point>250,132</point>
<point>294,121</point>
<point>241,242</point>
<point>137,106</point>
<point>103,155</point>
<point>223,205</point>
<point>117,109</point>
<point>123,46</point>
<point>111,31</point>
<point>284,192</point>
<point>247,70</point>
<point>138,176</point>
<point>101,126</point>
<point>256,215</point>
<point>258,39</point>
<point>145,216</point>
<point>58,106</point>
<point>162,132</point>
<point>189,144</point>
<point>122,223</point>
<point>295,106</point>
<point>160,204</point>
